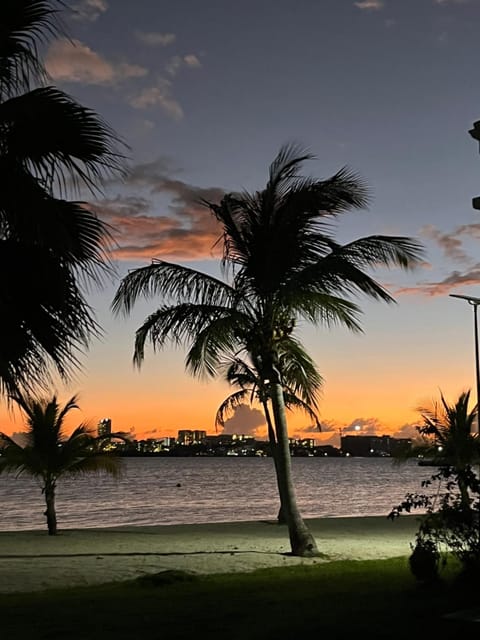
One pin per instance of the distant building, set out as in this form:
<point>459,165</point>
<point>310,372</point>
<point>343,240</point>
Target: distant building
<point>104,427</point>
<point>372,446</point>
<point>188,436</point>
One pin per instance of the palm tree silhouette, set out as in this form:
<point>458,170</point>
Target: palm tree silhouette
<point>301,382</point>
<point>49,454</point>
<point>283,266</point>
<point>451,441</point>
<point>50,246</point>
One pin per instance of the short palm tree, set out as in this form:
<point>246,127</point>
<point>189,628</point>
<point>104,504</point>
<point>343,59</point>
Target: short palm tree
<point>301,382</point>
<point>450,439</point>
<point>50,246</point>
<point>49,453</point>
<point>281,265</point>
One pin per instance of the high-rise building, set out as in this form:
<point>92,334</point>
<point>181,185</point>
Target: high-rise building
<point>189,436</point>
<point>104,427</point>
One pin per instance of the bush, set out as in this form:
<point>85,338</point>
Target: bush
<point>425,560</point>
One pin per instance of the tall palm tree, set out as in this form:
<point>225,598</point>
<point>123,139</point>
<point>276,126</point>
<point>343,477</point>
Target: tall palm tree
<point>49,454</point>
<point>281,265</point>
<point>50,245</point>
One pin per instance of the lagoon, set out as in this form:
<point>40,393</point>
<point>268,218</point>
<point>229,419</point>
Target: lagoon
<point>165,491</point>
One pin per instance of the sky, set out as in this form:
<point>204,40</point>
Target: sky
<point>204,93</point>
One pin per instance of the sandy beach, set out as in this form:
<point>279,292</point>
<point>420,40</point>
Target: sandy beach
<point>32,560</point>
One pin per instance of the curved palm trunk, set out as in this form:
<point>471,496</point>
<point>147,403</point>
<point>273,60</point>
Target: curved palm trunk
<point>302,541</point>
<point>50,511</point>
<point>281,519</point>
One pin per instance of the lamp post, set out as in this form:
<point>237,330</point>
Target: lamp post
<point>474,302</point>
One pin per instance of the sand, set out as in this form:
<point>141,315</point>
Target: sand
<point>32,560</point>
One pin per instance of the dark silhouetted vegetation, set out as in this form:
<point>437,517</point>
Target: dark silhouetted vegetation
<point>49,454</point>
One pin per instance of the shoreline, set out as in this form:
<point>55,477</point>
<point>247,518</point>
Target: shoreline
<point>33,561</point>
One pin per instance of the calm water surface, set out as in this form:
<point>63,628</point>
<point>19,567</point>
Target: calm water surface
<point>212,490</point>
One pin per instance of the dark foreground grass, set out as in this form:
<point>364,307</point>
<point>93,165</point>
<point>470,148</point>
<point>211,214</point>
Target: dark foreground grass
<point>372,599</point>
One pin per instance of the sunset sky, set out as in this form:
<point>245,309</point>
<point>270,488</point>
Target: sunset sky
<point>205,92</point>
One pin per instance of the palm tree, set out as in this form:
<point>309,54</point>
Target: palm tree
<point>450,442</point>
<point>281,265</point>
<point>299,393</point>
<point>49,454</point>
<point>50,246</point>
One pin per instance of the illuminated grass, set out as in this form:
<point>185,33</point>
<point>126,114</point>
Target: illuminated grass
<point>376,599</point>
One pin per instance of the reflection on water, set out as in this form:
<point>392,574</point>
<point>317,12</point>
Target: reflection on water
<point>211,490</point>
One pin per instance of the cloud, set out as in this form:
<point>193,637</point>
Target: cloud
<point>370,5</point>
<point>245,421</point>
<point>184,229</point>
<point>155,38</point>
<point>406,431</point>
<point>176,63</point>
<point>443,287</point>
<point>89,10</point>
<point>72,61</point>
<point>451,1</point>
<point>452,243</point>
<point>159,96</point>
<point>364,427</point>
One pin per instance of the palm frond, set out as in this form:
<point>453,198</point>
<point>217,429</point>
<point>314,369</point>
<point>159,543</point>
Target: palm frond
<point>180,324</point>
<point>170,281</point>
<point>293,402</point>
<point>221,335</point>
<point>73,143</point>
<point>229,406</point>
<point>384,251</point>
<point>25,25</point>
<point>299,372</point>
<point>321,308</point>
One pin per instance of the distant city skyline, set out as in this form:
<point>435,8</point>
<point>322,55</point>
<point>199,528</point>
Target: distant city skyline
<point>205,93</point>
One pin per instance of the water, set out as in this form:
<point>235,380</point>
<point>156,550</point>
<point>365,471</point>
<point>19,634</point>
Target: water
<point>212,490</point>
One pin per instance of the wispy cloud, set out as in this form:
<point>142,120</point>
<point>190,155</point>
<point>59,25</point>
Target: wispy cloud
<point>443,287</point>
<point>89,10</point>
<point>370,5</point>
<point>73,61</point>
<point>176,63</point>
<point>155,38</point>
<point>451,243</point>
<point>158,96</point>
<point>161,93</point>
<point>451,1</point>
<point>183,229</point>
<point>452,246</point>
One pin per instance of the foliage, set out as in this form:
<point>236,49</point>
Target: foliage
<point>49,454</point>
<point>451,519</point>
<point>424,559</point>
<point>281,267</point>
<point>51,246</point>
<point>300,384</point>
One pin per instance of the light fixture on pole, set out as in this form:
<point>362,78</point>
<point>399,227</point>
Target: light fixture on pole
<point>474,302</point>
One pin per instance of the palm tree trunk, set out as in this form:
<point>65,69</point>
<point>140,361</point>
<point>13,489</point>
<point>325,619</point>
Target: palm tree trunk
<point>302,541</point>
<point>50,511</point>
<point>281,519</point>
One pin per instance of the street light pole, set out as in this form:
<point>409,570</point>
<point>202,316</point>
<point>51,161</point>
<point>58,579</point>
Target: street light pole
<point>474,302</point>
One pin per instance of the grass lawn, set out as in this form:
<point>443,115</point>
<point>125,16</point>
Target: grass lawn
<point>350,599</point>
